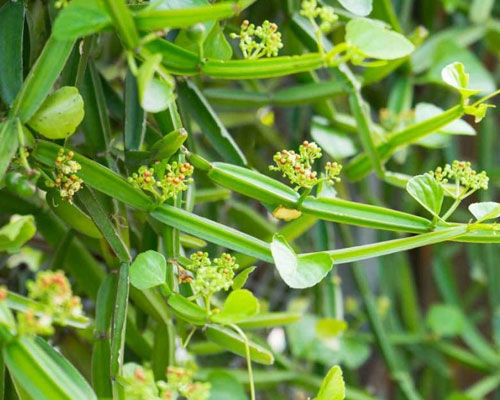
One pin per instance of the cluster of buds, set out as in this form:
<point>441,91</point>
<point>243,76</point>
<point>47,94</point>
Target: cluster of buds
<point>326,15</point>
<point>139,383</point>
<point>180,382</point>
<point>298,167</point>
<point>268,43</point>
<point>163,180</point>
<point>66,182</point>
<point>466,179</point>
<point>332,172</point>
<point>53,291</point>
<point>211,276</point>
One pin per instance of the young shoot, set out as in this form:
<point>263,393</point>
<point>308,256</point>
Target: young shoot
<point>298,168</point>
<point>163,180</point>
<point>321,18</point>
<point>259,41</point>
<point>66,181</point>
<point>465,181</point>
<point>210,276</point>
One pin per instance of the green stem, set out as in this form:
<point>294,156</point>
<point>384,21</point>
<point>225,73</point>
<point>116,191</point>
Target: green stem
<point>452,209</point>
<point>249,360</point>
<point>396,369</point>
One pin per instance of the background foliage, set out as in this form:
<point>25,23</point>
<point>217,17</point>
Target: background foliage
<point>121,86</point>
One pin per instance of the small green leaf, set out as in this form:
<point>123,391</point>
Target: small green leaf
<point>375,40</point>
<point>239,305</point>
<point>18,231</point>
<point>155,95</point>
<point>358,7</point>
<point>445,320</point>
<point>81,18</point>
<point>60,114</point>
<point>148,270</point>
<point>333,386</point>
<point>485,210</point>
<point>330,327</point>
<point>427,191</point>
<point>454,75</point>
<point>299,271</point>
<point>240,279</point>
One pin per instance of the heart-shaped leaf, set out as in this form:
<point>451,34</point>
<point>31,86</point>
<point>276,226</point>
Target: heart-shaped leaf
<point>427,191</point>
<point>333,386</point>
<point>358,7</point>
<point>485,210</point>
<point>60,114</point>
<point>375,40</point>
<point>299,271</point>
<point>18,231</point>
<point>454,75</point>
<point>148,270</point>
<point>155,95</point>
<point>239,305</point>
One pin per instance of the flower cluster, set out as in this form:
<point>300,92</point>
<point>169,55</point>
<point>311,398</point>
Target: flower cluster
<point>180,382</point>
<point>211,276</point>
<point>268,43</point>
<point>53,293</point>
<point>139,384</point>
<point>163,180</point>
<point>326,15</point>
<point>298,167</point>
<point>66,182</point>
<point>466,179</point>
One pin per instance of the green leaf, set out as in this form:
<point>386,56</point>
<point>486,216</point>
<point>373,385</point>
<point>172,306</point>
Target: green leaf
<point>11,49</point>
<point>454,75</point>
<point>81,18</point>
<point>375,40</point>
<point>73,216</point>
<point>427,191</point>
<point>8,144</point>
<point>41,77</point>
<point>446,320</point>
<point>155,95</point>
<point>333,386</point>
<point>148,270</point>
<point>358,7</point>
<point>60,114</point>
<point>18,231</point>
<point>239,305</point>
<point>41,374</point>
<point>194,103</point>
<point>240,279</point>
<point>336,144</point>
<point>299,271</point>
<point>232,342</point>
<point>330,327</point>
<point>485,210</point>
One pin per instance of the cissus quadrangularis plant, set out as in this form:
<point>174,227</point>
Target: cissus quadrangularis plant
<point>119,151</point>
